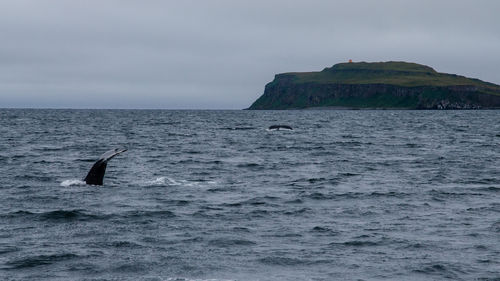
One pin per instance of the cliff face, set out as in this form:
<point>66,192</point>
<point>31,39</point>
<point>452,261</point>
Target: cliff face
<point>378,85</point>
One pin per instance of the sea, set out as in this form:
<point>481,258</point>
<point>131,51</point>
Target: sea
<point>215,195</point>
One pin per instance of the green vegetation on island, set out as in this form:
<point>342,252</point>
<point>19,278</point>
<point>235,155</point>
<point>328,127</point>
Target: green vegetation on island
<point>378,85</point>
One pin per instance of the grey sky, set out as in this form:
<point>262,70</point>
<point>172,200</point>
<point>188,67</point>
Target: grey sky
<point>220,54</point>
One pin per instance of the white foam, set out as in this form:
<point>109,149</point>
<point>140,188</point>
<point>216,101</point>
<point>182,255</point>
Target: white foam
<point>166,181</point>
<point>71,182</point>
<point>187,279</point>
<point>160,181</point>
<point>155,182</point>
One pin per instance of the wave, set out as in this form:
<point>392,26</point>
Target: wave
<point>449,271</point>
<point>360,243</point>
<point>297,212</point>
<point>321,229</point>
<point>39,260</point>
<point>495,227</point>
<point>355,195</point>
<point>56,216</point>
<point>247,165</point>
<point>453,194</point>
<point>240,229</point>
<point>238,128</point>
<point>282,261</point>
<point>356,243</point>
<point>38,178</point>
<point>43,148</point>
<point>227,242</point>
<point>256,201</point>
<point>490,189</point>
<point>149,214</point>
<point>63,215</point>
<point>122,244</point>
<point>166,181</point>
<point>72,182</point>
<point>286,261</point>
<point>5,249</point>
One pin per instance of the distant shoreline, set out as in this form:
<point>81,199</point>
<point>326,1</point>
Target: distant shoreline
<point>326,108</point>
<point>319,108</point>
<point>380,85</point>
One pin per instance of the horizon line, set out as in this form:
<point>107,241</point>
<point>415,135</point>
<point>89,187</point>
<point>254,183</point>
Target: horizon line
<point>120,108</point>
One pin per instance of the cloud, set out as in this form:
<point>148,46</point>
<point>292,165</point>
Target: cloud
<point>220,54</point>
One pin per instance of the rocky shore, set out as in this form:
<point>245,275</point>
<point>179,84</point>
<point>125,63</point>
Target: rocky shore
<point>378,85</point>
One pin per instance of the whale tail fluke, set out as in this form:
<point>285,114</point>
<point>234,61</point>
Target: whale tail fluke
<point>96,173</point>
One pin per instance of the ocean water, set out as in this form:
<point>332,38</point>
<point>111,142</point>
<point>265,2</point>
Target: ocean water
<point>213,195</point>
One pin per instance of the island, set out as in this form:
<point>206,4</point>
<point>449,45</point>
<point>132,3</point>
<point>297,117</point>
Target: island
<point>378,85</point>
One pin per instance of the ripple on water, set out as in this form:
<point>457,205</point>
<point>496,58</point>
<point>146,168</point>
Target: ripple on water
<point>362,195</point>
<point>123,244</point>
<point>5,249</point>
<point>39,260</point>
<point>322,230</point>
<point>55,216</point>
<point>490,189</point>
<point>230,242</point>
<point>160,214</point>
<point>282,261</point>
<point>357,243</point>
<point>445,270</point>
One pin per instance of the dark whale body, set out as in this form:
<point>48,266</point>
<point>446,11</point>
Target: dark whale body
<point>280,127</point>
<point>96,173</point>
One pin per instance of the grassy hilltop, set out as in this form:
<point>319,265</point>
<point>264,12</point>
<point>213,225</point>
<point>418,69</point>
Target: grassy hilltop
<point>378,85</point>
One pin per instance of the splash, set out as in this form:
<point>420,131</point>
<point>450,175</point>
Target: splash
<point>166,181</point>
<point>162,181</point>
<point>72,182</point>
<point>156,182</point>
<point>187,279</point>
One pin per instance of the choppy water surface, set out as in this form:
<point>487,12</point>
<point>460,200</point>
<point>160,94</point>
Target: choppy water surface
<point>402,195</point>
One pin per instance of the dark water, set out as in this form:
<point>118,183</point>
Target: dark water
<point>400,195</point>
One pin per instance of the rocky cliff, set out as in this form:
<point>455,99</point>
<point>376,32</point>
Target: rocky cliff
<point>378,85</point>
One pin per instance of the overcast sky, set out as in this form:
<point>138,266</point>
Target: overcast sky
<point>208,54</point>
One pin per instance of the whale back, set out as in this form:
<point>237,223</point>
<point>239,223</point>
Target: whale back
<point>280,127</point>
